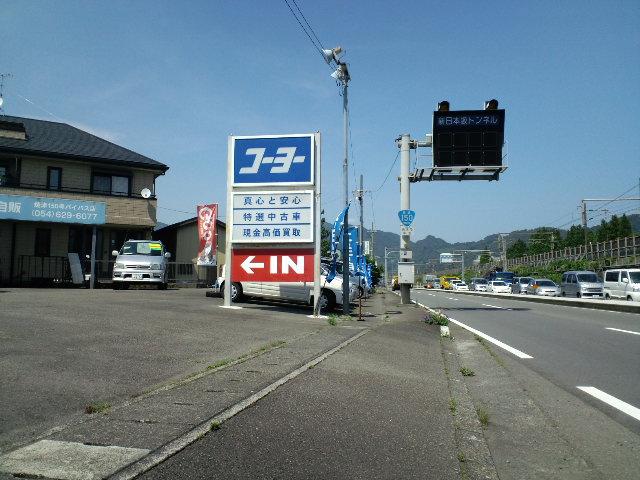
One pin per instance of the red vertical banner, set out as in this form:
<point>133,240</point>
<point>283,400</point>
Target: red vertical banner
<point>207,216</point>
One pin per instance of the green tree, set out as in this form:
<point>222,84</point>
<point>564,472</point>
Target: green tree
<point>545,239</point>
<point>626,230</point>
<point>575,236</point>
<point>615,230</point>
<point>325,235</point>
<point>484,259</point>
<point>376,270</point>
<point>603,232</point>
<point>517,249</point>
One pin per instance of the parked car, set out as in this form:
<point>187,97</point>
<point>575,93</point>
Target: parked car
<point>459,285</point>
<point>506,277</point>
<point>478,285</point>
<point>543,286</point>
<point>142,262</point>
<point>581,284</point>
<point>622,283</point>
<point>330,293</point>
<point>498,286</point>
<point>436,284</point>
<point>519,285</point>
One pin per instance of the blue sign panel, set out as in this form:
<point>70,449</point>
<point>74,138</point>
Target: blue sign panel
<point>406,217</point>
<point>58,210</point>
<point>273,160</point>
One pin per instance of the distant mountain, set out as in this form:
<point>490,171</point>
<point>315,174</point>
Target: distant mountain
<point>430,247</point>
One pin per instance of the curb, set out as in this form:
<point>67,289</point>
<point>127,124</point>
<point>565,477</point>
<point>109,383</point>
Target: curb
<point>630,307</point>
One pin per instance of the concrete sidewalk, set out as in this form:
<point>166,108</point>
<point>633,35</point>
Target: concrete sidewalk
<point>379,408</point>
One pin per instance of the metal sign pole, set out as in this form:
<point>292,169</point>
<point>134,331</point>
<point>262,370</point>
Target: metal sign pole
<point>229,243</point>
<point>405,201</point>
<point>318,228</point>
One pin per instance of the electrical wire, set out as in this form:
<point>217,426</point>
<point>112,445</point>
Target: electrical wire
<point>619,196</point>
<point>388,173</point>
<point>308,25</point>
<point>318,46</point>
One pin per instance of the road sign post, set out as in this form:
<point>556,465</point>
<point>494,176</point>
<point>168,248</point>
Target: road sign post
<point>273,210</point>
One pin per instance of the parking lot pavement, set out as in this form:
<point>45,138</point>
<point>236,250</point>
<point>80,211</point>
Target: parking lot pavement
<point>64,349</point>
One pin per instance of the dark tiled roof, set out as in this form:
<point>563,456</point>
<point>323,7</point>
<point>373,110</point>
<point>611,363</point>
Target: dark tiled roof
<point>64,141</point>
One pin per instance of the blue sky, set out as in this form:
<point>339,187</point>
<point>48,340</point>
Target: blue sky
<point>172,80</point>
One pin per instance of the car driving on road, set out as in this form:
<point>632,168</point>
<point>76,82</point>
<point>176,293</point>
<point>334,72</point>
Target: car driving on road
<point>498,286</point>
<point>581,284</point>
<point>478,285</point>
<point>543,286</point>
<point>459,285</point>
<point>519,285</point>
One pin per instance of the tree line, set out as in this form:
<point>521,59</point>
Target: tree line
<point>547,239</point>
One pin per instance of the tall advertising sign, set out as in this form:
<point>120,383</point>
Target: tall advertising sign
<point>208,241</point>
<point>273,210</point>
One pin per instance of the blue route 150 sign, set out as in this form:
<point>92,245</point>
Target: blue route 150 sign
<point>273,160</point>
<point>406,217</point>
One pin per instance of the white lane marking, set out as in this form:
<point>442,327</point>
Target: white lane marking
<point>455,299</point>
<point>495,306</point>
<point>612,401</point>
<point>495,341</point>
<point>624,331</point>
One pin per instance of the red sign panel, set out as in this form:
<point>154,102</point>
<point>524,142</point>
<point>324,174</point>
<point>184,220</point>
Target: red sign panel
<point>272,265</point>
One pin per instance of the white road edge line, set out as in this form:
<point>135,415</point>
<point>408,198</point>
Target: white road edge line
<point>612,401</point>
<point>624,331</point>
<point>495,341</point>
<point>161,454</point>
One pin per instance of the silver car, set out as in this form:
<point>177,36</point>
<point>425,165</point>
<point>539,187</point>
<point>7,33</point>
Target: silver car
<point>543,286</point>
<point>581,284</point>
<point>478,285</point>
<point>519,285</point>
<point>142,262</point>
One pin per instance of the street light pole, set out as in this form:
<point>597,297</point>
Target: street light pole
<point>345,181</point>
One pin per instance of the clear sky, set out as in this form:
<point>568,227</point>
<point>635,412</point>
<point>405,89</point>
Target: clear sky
<point>171,80</point>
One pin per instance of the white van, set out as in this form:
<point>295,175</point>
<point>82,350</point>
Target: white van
<point>622,283</point>
<point>330,293</point>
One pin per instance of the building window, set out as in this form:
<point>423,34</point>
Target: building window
<point>111,184</point>
<point>54,178</point>
<point>43,242</point>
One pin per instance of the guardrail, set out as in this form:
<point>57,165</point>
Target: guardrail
<point>621,252</point>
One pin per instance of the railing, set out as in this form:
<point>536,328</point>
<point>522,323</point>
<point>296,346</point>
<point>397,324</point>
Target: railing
<point>621,252</point>
<point>55,271</point>
<point>43,271</point>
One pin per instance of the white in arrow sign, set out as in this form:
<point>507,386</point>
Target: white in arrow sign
<point>248,266</point>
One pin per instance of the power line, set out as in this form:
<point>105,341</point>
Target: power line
<point>388,173</point>
<point>308,25</point>
<point>619,196</point>
<point>318,46</point>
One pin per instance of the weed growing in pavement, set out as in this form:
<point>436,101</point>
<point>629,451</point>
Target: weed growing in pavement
<point>215,426</point>
<point>483,416</point>
<point>467,372</point>
<point>332,320</point>
<point>437,318</point>
<point>269,346</point>
<point>453,405</point>
<point>97,407</point>
<point>219,363</point>
<point>486,346</point>
<point>461,457</point>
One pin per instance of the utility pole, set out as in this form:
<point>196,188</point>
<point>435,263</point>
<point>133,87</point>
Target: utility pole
<point>386,276</point>
<point>584,222</point>
<point>607,200</point>
<point>405,204</point>
<point>360,196</point>
<point>504,250</point>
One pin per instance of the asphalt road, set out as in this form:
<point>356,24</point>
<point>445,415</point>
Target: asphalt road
<point>571,347</point>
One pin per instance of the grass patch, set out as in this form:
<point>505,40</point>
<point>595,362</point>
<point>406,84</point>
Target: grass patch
<point>268,346</point>
<point>453,406</point>
<point>467,372</point>
<point>436,318</point>
<point>461,457</point>
<point>97,407</point>
<point>483,416</point>
<point>332,320</point>
<point>219,363</point>
<point>215,426</point>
